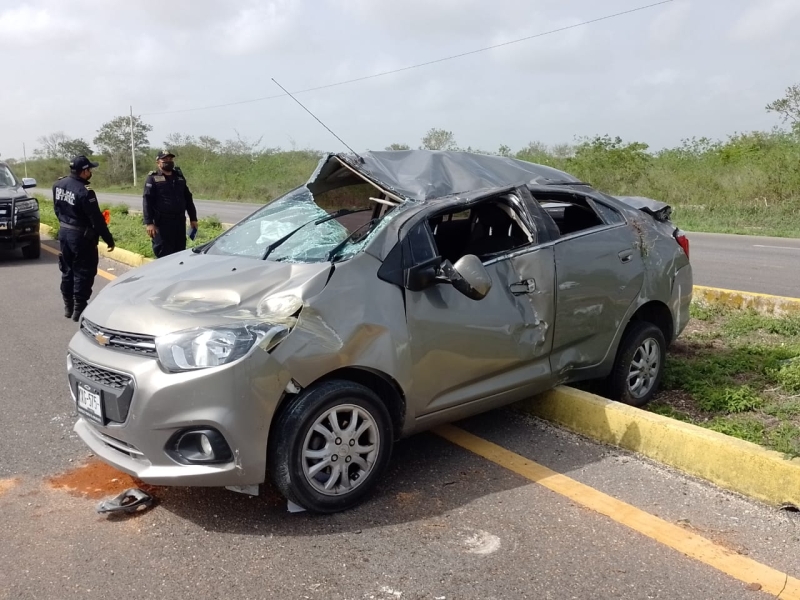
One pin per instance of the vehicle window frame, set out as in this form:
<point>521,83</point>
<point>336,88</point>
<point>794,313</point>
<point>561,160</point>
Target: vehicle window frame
<point>512,198</point>
<point>594,203</point>
<point>15,181</point>
<point>590,201</point>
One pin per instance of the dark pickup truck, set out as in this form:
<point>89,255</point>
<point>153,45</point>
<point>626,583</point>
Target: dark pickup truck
<point>19,214</point>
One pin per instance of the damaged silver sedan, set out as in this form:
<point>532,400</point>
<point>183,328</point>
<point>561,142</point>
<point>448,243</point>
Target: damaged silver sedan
<point>300,344</point>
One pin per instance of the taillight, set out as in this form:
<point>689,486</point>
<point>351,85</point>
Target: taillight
<point>683,241</point>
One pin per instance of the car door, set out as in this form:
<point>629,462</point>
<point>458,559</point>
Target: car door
<point>490,351</point>
<point>599,274</point>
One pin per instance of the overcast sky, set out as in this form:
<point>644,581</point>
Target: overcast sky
<point>687,68</point>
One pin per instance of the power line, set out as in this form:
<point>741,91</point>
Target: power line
<point>416,66</point>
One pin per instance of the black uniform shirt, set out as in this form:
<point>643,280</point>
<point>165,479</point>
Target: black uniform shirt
<point>75,203</point>
<point>167,197</point>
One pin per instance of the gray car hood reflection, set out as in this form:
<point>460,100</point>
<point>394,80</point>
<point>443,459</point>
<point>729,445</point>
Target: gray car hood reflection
<point>191,290</point>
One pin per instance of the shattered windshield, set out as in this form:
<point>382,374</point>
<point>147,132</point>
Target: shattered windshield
<point>312,242</point>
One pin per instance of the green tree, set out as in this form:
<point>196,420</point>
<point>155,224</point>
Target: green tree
<point>114,137</point>
<point>397,146</point>
<point>76,147</point>
<point>788,107</point>
<point>439,139</point>
<point>114,141</point>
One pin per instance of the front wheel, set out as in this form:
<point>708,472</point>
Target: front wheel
<point>639,366</point>
<point>330,445</point>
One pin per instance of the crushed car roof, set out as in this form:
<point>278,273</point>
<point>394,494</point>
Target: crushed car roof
<point>426,174</point>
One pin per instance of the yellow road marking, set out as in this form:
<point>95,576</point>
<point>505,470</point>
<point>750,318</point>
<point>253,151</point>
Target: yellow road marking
<point>692,545</point>
<point>103,274</point>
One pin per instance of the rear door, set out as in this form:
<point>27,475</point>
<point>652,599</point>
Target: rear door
<point>599,274</point>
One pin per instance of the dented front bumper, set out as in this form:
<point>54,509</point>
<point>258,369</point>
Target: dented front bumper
<point>145,409</point>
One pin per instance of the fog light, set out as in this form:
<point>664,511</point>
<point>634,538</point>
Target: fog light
<point>199,446</point>
<point>205,446</point>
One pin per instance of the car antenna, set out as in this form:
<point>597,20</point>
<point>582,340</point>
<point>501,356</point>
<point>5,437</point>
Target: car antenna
<point>320,122</point>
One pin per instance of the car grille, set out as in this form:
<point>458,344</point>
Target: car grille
<point>132,343</point>
<point>117,381</point>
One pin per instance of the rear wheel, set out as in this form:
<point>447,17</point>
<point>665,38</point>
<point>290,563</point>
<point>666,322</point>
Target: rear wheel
<point>330,446</point>
<point>639,366</point>
<point>33,250</point>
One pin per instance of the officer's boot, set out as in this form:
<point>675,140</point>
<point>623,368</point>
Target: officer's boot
<point>80,306</point>
<point>69,306</point>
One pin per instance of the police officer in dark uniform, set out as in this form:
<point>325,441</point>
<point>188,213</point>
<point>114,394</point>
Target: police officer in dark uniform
<point>167,200</point>
<point>81,225</point>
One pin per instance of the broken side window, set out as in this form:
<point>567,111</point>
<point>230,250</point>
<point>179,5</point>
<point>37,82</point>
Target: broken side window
<point>610,215</point>
<point>492,227</point>
<point>571,212</point>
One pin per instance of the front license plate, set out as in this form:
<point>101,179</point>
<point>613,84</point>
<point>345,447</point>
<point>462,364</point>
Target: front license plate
<point>3,225</point>
<point>89,404</point>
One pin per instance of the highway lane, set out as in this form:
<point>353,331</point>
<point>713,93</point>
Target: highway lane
<point>444,523</point>
<point>737,262</point>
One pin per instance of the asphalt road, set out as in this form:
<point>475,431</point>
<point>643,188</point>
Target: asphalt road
<point>444,524</point>
<point>735,262</point>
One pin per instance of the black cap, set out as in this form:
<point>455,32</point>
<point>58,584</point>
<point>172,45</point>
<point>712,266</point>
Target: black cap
<point>79,163</point>
<point>164,154</point>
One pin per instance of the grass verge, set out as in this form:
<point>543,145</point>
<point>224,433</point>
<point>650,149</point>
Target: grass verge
<point>128,230</point>
<point>737,373</point>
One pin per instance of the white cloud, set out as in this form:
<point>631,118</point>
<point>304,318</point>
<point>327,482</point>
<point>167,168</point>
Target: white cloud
<point>662,78</point>
<point>565,50</point>
<point>656,75</point>
<point>29,26</point>
<point>256,27</point>
<point>668,25</point>
<point>765,18</point>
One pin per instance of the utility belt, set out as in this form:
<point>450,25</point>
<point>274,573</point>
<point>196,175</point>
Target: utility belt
<point>63,225</point>
<point>86,231</point>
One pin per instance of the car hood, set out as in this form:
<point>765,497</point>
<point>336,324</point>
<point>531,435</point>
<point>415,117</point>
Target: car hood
<point>187,290</point>
<point>8,193</point>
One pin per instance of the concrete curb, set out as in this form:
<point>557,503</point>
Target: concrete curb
<point>738,300</point>
<point>120,255</point>
<point>728,462</point>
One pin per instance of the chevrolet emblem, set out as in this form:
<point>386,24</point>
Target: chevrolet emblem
<point>101,339</point>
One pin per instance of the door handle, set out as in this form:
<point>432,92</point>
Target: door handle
<point>523,287</point>
<point>626,255</point>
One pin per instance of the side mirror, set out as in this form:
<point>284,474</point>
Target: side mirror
<point>422,276</point>
<point>28,182</point>
<point>469,276</point>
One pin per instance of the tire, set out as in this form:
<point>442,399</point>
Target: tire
<point>641,340</point>
<point>33,250</point>
<point>299,431</point>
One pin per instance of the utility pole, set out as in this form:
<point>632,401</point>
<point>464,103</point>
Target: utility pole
<point>133,150</point>
<point>25,158</point>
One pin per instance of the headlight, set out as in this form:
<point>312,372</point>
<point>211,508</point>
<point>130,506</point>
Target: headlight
<point>26,205</point>
<point>206,347</point>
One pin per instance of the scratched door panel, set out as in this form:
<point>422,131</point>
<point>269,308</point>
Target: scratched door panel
<point>598,275</point>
